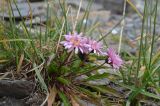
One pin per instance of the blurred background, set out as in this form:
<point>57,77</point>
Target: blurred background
<point>105,13</point>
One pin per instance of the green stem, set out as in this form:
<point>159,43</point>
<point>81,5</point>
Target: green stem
<point>154,33</point>
<point>141,45</point>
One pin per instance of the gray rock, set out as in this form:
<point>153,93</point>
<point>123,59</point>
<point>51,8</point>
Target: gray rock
<point>24,9</point>
<point>116,6</point>
<point>6,101</point>
<point>86,103</point>
<point>16,88</point>
<point>85,3</point>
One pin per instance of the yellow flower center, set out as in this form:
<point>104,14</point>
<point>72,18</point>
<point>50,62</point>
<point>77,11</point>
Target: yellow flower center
<point>75,42</point>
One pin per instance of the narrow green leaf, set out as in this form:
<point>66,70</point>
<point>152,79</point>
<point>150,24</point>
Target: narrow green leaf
<point>141,91</point>
<point>52,68</point>
<point>63,80</point>
<point>87,92</point>
<point>107,90</point>
<point>64,99</point>
<point>97,76</point>
<point>41,80</point>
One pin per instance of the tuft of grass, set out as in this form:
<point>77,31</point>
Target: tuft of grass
<point>43,57</point>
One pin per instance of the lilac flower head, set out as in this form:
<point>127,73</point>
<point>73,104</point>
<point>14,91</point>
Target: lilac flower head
<point>75,42</point>
<point>94,46</point>
<point>114,59</point>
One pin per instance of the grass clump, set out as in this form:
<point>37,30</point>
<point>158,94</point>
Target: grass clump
<point>67,64</point>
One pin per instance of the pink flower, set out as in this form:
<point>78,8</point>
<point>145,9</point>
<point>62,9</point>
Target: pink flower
<point>75,42</point>
<point>94,46</point>
<point>114,59</point>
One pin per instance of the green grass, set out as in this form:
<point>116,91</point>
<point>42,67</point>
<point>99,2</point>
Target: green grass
<point>46,60</point>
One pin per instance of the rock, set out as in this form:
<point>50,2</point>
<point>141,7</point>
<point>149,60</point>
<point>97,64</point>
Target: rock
<point>36,99</point>
<point>86,103</point>
<point>6,101</point>
<point>116,6</point>
<point>24,9</point>
<point>101,16</point>
<point>85,3</point>
<point>36,20</point>
<point>16,88</point>
<point>139,4</point>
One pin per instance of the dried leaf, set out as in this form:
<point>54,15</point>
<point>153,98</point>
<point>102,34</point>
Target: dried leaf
<point>141,72</point>
<point>3,61</point>
<point>52,96</point>
<point>3,76</point>
<point>20,63</point>
<point>40,78</point>
<point>74,101</point>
